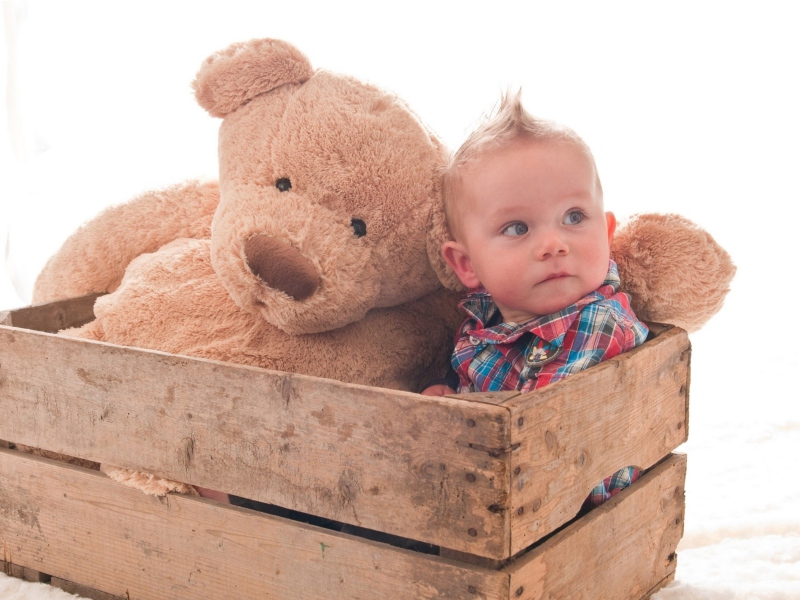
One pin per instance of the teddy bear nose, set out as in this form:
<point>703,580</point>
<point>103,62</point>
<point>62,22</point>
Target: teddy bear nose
<point>281,266</point>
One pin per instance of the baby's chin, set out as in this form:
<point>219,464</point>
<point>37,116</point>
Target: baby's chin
<point>557,294</point>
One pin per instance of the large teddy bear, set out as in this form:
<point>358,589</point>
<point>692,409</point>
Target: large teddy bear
<point>319,250</point>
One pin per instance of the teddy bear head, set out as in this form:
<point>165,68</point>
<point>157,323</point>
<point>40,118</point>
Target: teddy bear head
<point>329,188</point>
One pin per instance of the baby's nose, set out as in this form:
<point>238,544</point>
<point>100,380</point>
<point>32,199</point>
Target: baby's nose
<point>551,243</point>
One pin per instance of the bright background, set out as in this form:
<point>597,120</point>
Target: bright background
<point>690,107</point>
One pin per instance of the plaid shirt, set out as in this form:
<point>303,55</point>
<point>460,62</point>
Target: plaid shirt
<point>527,356</point>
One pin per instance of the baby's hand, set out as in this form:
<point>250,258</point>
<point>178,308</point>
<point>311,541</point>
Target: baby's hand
<point>213,494</point>
<point>439,389</point>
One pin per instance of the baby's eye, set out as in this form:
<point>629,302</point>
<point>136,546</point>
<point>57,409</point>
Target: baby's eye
<point>574,217</point>
<point>516,229</point>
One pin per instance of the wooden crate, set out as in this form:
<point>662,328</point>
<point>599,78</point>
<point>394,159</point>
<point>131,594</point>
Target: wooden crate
<point>489,484</point>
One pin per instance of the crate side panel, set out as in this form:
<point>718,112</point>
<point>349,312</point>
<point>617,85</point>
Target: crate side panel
<point>77,525</point>
<point>630,410</point>
<point>623,549</point>
<point>410,465</point>
<point>53,316</point>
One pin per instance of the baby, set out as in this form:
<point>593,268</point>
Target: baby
<point>531,242</point>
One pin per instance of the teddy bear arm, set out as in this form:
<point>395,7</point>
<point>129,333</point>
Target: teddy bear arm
<point>674,271</point>
<point>94,258</point>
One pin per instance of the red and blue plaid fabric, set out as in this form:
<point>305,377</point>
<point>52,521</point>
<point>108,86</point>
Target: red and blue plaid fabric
<point>494,357</point>
<point>611,486</point>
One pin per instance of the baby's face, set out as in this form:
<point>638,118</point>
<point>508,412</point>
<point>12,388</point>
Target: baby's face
<point>533,228</point>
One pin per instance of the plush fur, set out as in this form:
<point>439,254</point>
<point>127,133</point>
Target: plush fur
<point>319,250</point>
<point>674,271</point>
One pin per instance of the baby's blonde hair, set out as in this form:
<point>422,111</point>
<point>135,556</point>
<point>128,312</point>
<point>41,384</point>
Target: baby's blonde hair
<point>509,122</point>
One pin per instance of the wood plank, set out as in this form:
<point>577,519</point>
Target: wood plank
<point>623,549</point>
<point>656,329</point>
<point>487,397</point>
<point>430,469</point>
<point>23,573</point>
<point>79,526</point>
<point>663,583</point>
<point>53,316</point>
<point>68,586</point>
<point>630,410</point>
<point>83,590</point>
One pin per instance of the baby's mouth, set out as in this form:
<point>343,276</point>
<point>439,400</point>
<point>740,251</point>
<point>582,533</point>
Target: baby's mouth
<point>555,276</point>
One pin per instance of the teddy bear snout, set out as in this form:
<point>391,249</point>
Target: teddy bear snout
<point>281,266</point>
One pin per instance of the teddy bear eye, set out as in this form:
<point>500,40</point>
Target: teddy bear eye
<point>283,184</point>
<point>359,227</point>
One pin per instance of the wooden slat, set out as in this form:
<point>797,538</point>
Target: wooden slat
<point>410,465</point>
<point>630,410</point>
<point>487,397</point>
<point>23,573</point>
<point>83,591</point>
<point>53,316</point>
<point>657,329</point>
<point>79,526</point>
<point>623,549</point>
<point>68,586</point>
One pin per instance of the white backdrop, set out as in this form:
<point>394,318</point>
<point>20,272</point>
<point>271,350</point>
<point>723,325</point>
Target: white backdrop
<point>689,107</point>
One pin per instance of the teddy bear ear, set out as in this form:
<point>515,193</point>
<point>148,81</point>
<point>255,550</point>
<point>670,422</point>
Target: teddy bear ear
<point>438,234</point>
<point>228,79</point>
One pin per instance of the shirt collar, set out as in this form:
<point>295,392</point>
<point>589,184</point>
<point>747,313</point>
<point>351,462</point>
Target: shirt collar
<point>481,309</point>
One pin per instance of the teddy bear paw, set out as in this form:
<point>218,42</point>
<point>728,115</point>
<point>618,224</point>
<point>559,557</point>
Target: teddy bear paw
<point>146,482</point>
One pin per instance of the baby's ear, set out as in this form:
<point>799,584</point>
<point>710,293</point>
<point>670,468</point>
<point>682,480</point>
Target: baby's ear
<point>611,224</point>
<point>457,258</point>
<point>230,78</point>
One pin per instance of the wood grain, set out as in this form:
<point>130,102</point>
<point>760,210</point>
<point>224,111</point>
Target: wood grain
<point>482,474</point>
<point>83,590</point>
<point>53,316</point>
<point>23,573</point>
<point>630,410</point>
<point>79,526</point>
<point>623,549</point>
<point>410,465</point>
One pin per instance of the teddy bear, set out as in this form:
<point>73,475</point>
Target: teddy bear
<point>318,250</point>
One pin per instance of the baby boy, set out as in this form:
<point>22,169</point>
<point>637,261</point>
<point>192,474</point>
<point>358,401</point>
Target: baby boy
<point>531,242</point>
